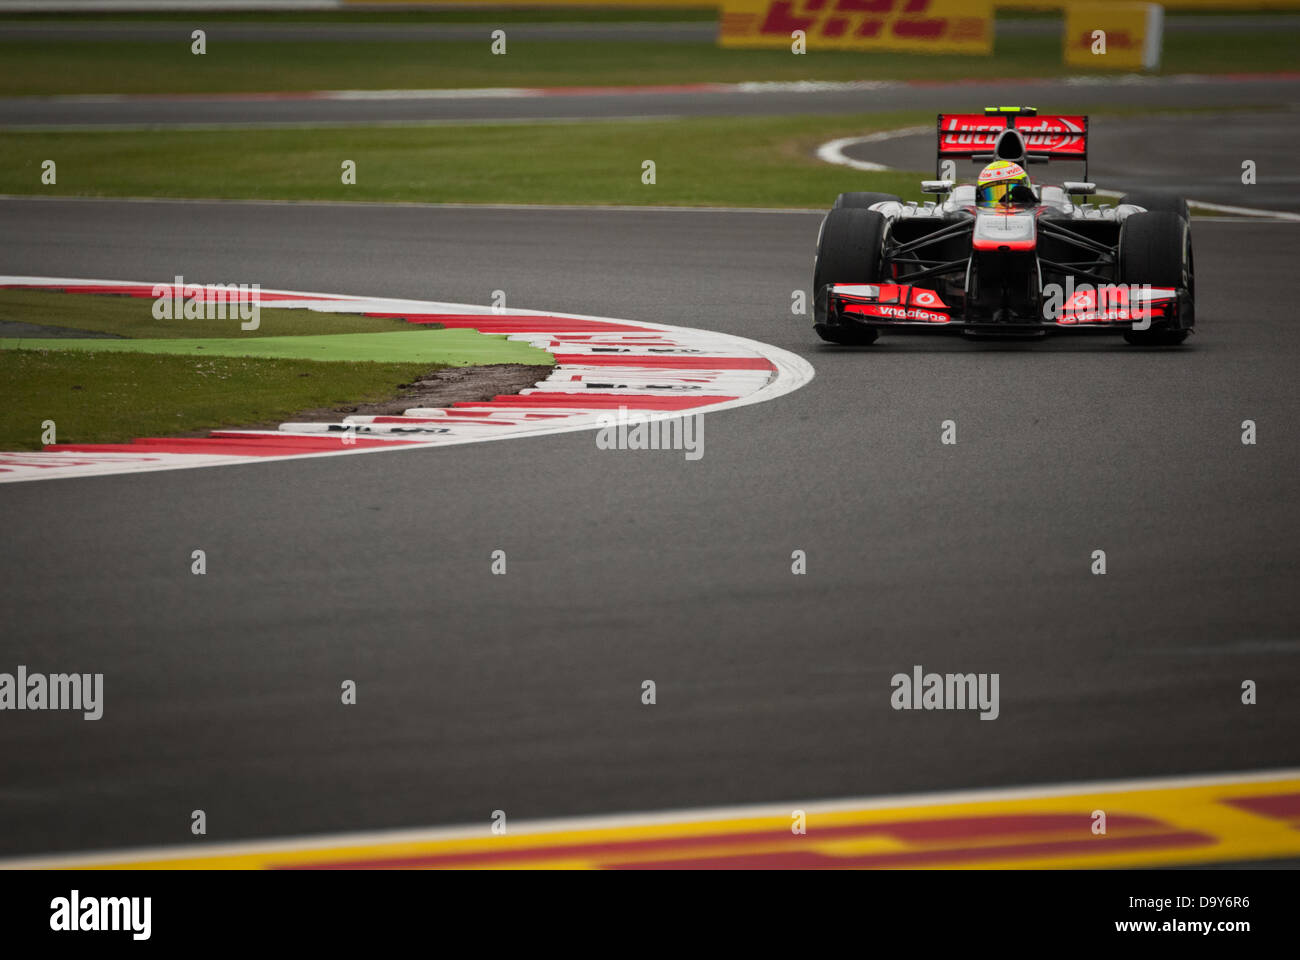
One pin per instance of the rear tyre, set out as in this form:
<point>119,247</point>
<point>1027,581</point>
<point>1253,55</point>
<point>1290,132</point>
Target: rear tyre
<point>847,252</point>
<point>1156,248</point>
<point>1158,203</point>
<point>860,200</point>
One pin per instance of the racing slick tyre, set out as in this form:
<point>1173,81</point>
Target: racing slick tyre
<point>860,200</point>
<point>848,251</point>
<point>1158,203</point>
<point>1156,248</point>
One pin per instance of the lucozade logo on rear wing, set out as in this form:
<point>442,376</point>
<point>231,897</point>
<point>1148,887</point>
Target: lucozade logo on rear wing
<point>1062,137</point>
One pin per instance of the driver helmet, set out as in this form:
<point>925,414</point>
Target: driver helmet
<point>997,184</point>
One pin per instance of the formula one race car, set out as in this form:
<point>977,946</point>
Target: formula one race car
<point>1004,257</point>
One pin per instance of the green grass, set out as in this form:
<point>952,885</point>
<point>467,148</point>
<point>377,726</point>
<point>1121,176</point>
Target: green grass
<point>741,161</point>
<point>133,317</point>
<point>113,398</point>
<point>284,334</point>
<point>110,391</point>
<point>477,14</point>
<point>443,348</point>
<point>700,161</point>
<point>88,67</point>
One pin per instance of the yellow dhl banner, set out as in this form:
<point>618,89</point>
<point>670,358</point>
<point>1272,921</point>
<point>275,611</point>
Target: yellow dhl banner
<point>1114,36</point>
<point>925,26</point>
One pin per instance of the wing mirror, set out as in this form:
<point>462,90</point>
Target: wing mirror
<point>1078,188</point>
<point>937,186</point>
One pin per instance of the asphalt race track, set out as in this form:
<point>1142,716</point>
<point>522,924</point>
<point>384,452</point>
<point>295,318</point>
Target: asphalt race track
<point>522,692</point>
<point>753,100</point>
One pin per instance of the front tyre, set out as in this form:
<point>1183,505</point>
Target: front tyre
<point>848,251</point>
<point>1156,248</point>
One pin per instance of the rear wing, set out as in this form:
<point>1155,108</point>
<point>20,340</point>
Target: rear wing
<point>1033,139</point>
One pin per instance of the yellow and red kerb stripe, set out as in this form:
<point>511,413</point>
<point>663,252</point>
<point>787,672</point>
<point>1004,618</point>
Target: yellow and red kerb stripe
<point>1156,823</point>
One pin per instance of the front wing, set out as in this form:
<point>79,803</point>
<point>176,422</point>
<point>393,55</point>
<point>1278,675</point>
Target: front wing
<point>912,309</point>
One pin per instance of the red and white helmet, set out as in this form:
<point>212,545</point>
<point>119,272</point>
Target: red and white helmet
<point>997,183</point>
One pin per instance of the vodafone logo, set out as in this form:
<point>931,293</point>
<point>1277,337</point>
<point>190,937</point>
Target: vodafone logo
<point>924,298</point>
<point>888,312</point>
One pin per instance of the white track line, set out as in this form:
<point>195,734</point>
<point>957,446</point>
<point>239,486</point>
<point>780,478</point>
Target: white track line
<point>833,151</point>
<point>643,819</point>
<point>810,87</point>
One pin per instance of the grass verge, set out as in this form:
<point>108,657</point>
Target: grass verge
<point>443,348</point>
<point>133,317</point>
<point>47,67</point>
<point>490,15</point>
<point>700,161</point>
<point>110,391</point>
<point>113,398</point>
<point>740,161</point>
